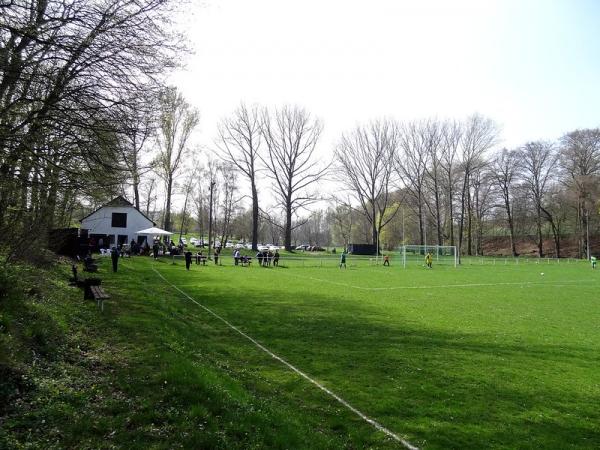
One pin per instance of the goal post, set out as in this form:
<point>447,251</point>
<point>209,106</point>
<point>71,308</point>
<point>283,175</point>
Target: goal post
<point>440,254</point>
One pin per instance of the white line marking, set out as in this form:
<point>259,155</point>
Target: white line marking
<point>367,419</point>
<point>391,288</point>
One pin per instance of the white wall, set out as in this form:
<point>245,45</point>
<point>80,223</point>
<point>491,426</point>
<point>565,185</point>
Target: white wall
<point>100,222</point>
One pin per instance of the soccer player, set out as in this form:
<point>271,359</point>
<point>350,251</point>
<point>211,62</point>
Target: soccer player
<point>593,260</point>
<point>343,260</point>
<point>428,260</point>
<point>386,260</point>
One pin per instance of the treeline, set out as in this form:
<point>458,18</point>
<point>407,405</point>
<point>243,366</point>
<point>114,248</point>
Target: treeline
<point>85,115</point>
<point>443,182</point>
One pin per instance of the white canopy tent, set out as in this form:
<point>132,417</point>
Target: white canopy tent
<point>154,231</point>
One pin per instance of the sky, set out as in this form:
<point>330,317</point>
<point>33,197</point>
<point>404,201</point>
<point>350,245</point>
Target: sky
<point>533,66</point>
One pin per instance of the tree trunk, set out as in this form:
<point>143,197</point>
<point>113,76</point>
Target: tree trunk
<point>469,224</point>
<point>438,222</point>
<point>539,232</point>
<point>288,225</point>
<point>210,216</point>
<point>254,215</point>
<point>167,221</point>
<point>374,226</point>
<point>511,230</point>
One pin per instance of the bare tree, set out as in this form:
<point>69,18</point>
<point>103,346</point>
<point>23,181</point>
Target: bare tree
<point>538,160</point>
<point>365,158</point>
<point>451,139</point>
<point>291,136</point>
<point>580,160</point>
<point>239,141</point>
<point>479,134</point>
<point>177,121</point>
<point>139,126</point>
<point>229,188</point>
<point>188,187</point>
<point>505,172</point>
<point>412,167</point>
<point>211,176</point>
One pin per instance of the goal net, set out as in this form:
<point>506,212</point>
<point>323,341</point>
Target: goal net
<point>440,254</point>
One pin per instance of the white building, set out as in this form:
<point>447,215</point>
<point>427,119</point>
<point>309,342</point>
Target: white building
<point>117,222</point>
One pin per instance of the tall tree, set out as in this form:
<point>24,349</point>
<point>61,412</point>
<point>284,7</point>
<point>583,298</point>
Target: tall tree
<point>177,121</point>
<point>505,172</point>
<point>580,160</point>
<point>365,159</point>
<point>239,141</point>
<point>138,128</point>
<point>451,139</point>
<point>412,164</point>
<point>479,134</point>
<point>291,136</point>
<point>538,161</point>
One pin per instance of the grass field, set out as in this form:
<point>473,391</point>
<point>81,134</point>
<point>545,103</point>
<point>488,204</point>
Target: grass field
<point>479,356</point>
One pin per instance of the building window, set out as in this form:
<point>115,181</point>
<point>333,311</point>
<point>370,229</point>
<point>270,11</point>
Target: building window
<point>119,220</point>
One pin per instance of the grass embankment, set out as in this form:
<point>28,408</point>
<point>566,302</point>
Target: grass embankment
<point>146,373</point>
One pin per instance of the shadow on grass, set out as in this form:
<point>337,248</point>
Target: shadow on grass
<point>443,389</point>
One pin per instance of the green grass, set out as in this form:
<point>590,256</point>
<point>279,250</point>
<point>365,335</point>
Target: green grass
<point>507,358</point>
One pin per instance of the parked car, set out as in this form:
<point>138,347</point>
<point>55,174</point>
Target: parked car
<point>239,246</point>
<point>303,247</point>
<point>274,247</point>
<point>228,244</point>
<point>262,247</point>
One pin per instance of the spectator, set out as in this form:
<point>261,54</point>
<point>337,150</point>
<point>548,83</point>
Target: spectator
<point>114,255</point>
<point>276,259</point>
<point>188,259</point>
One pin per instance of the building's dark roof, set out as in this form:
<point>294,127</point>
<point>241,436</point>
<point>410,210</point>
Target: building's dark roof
<point>118,201</point>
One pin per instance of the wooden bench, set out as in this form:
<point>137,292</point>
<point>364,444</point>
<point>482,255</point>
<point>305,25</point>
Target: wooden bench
<point>99,295</point>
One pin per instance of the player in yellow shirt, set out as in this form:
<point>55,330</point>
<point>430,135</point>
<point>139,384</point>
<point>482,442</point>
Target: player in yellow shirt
<point>428,260</point>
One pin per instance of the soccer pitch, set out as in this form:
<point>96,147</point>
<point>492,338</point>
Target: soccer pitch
<point>478,356</point>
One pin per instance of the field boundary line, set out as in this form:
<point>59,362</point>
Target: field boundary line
<point>367,419</point>
<point>391,288</point>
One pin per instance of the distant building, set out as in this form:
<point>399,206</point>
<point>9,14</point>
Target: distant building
<point>116,222</point>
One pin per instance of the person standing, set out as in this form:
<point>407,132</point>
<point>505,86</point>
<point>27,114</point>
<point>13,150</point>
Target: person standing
<point>188,259</point>
<point>276,259</point>
<point>216,255</point>
<point>343,260</point>
<point>428,260</point>
<point>593,259</point>
<point>155,250</point>
<point>114,255</point>
<point>386,260</point>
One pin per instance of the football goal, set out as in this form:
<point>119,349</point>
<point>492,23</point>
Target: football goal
<point>440,254</point>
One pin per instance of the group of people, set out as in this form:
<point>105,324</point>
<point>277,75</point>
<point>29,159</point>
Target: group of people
<point>266,257</point>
